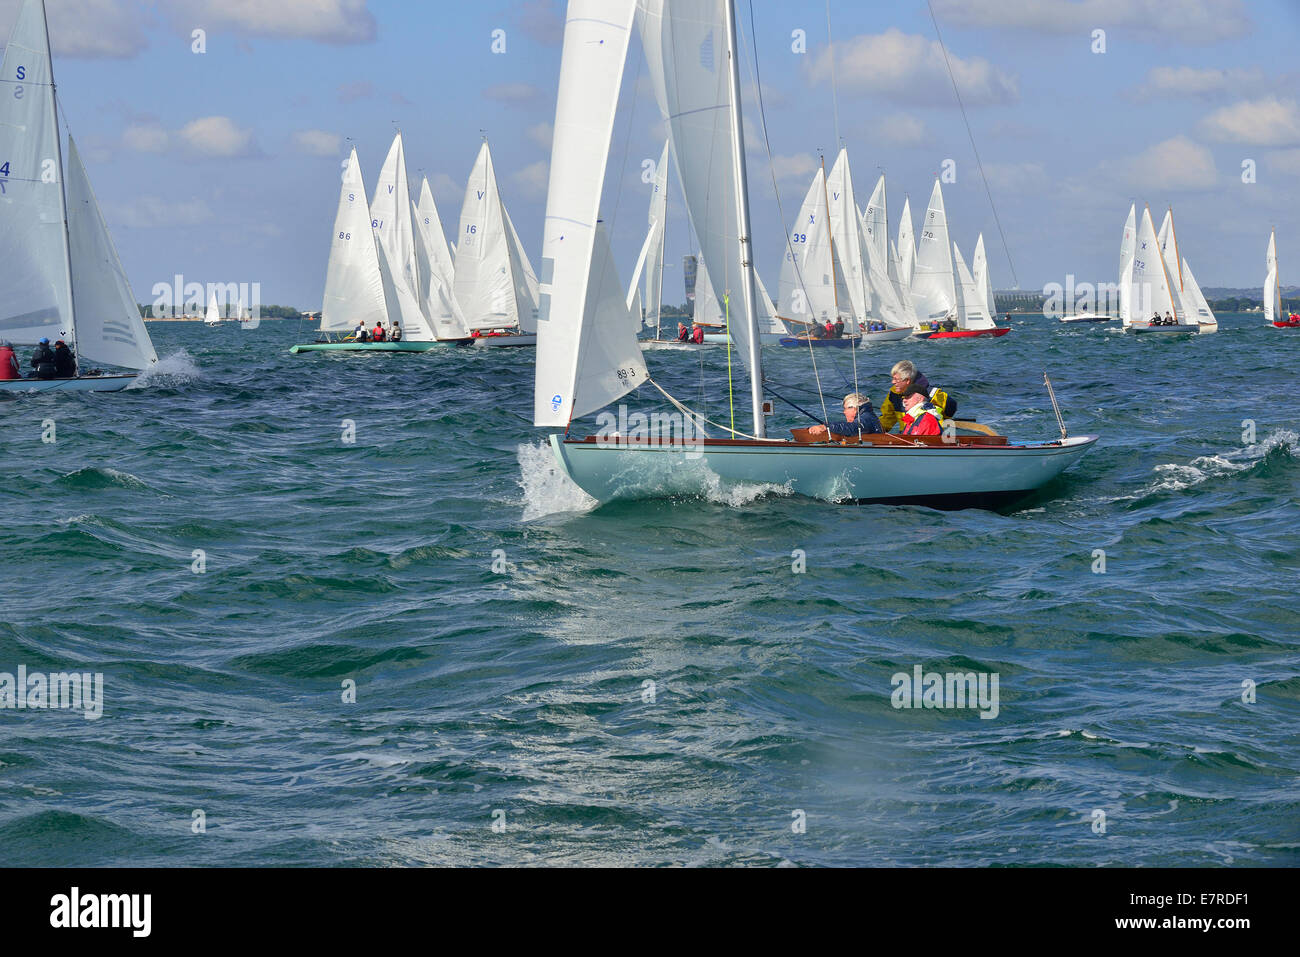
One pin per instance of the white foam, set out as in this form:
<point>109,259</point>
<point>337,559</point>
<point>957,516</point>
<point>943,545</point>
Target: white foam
<point>177,368</point>
<point>1175,478</point>
<point>547,489</point>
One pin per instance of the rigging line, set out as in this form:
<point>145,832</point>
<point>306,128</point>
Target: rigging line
<point>701,418</point>
<point>793,406</point>
<point>835,96</point>
<point>971,133</point>
<point>767,144</point>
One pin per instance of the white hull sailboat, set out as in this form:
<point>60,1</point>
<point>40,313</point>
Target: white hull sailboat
<point>62,278</point>
<point>1274,315</point>
<point>1151,289</point>
<point>588,356</point>
<point>495,285</point>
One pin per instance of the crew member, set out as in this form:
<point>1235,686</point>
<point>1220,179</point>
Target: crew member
<point>903,376</point>
<point>65,363</point>
<point>859,419</point>
<point>697,335</point>
<point>9,368</point>
<point>683,334</point>
<point>921,417</point>
<point>43,361</point>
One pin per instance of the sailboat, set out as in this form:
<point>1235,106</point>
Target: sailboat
<point>650,264</point>
<point>1151,291</point>
<point>890,310</point>
<point>363,286</point>
<point>494,284</point>
<point>588,356</point>
<point>814,289</point>
<point>62,278</point>
<point>1274,315</point>
<point>1191,307</point>
<point>213,316</point>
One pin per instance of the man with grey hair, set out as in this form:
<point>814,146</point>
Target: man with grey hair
<point>859,420</point>
<point>905,376</point>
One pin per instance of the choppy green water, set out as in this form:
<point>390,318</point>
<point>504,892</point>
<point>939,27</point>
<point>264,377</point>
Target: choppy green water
<point>528,692</point>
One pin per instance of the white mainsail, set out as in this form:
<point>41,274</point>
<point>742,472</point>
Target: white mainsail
<point>980,273</point>
<point>35,287</point>
<point>109,327</point>
<point>213,316</point>
<point>587,352</point>
<point>813,286</point>
<point>906,246</point>
<point>902,289</point>
<point>1127,249</point>
<point>972,313</point>
<point>394,227</point>
<point>1173,265</point>
<point>354,285</point>
<point>1272,285</point>
<point>485,283</point>
<point>688,55</point>
<point>933,291</point>
<point>846,230</point>
<point>1151,292</point>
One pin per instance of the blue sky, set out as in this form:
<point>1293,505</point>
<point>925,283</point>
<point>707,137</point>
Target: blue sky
<point>225,166</point>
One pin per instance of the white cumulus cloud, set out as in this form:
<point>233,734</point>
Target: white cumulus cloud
<point>1187,81</point>
<point>1197,22</point>
<point>326,21</point>
<point>1176,164</point>
<point>217,137</point>
<point>911,69</point>
<point>318,143</point>
<point>1265,122</point>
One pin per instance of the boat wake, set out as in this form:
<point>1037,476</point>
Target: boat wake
<point>547,490</point>
<point>177,369</point>
<point>1284,445</point>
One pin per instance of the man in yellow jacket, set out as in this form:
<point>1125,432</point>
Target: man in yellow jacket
<point>904,376</point>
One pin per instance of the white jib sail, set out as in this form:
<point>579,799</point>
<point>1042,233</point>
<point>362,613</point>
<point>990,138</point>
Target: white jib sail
<point>1183,307</point>
<point>1127,248</point>
<point>35,294</point>
<point>1198,306</point>
<point>527,287</point>
<point>972,314</point>
<point>109,327</point>
<point>886,305</point>
<point>485,285</point>
<point>213,315</point>
<point>428,222</point>
<point>587,352</point>
<point>437,299</point>
<point>354,286</point>
<point>933,292</point>
<point>650,264</point>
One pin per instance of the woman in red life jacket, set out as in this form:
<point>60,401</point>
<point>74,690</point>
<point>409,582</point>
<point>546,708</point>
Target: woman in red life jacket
<point>9,368</point>
<point>697,336</point>
<point>921,417</point>
<point>377,335</point>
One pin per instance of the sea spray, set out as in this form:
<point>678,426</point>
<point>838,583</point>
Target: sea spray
<point>547,489</point>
